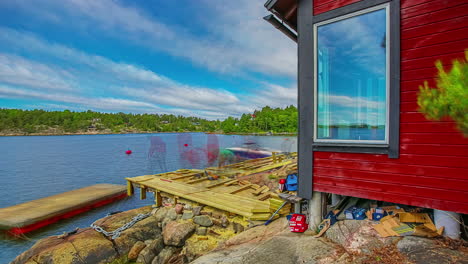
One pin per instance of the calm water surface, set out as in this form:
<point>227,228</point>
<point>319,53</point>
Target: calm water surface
<point>40,166</point>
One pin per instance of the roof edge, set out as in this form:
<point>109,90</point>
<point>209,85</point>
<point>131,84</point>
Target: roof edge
<point>269,4</point>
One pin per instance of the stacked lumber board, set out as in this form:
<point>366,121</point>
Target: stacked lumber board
<point>227,201</point>
<point>223,191</point>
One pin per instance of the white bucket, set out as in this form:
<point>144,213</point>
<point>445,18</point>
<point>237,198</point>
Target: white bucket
<point>450,221</point>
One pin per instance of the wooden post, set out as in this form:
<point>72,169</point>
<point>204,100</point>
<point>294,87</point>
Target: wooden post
<point>158,198</point>
<point>142,192</point>
<point>129,188</point>
<point>273,157</point>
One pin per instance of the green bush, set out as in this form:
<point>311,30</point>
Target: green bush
<point>450,98</point>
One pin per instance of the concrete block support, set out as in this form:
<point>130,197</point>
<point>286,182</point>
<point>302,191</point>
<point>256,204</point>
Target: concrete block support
<point>315,210</point>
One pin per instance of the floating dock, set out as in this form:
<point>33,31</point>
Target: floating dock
<point>29,216</point>
<point>227,192</point>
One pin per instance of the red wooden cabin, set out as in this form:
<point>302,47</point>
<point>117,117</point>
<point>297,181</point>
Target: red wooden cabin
<point>360,65</point>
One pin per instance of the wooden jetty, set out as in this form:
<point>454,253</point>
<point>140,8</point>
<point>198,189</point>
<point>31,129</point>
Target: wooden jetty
<point>218,187</point>
<point>29,216</point>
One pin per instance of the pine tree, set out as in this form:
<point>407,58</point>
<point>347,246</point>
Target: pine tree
<point>450,98</point>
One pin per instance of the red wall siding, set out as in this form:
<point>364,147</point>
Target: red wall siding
<point>432,170</point>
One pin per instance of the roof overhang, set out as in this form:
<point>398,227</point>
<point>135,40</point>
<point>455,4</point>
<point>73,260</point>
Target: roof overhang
<point>286,11</point>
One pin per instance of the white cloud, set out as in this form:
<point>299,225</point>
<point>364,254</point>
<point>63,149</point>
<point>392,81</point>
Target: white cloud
<point>240,41</point>
<point>145,88</point>
<point>275,96</point>
<point>20,71</point>
<point>106,103</point>
<point>351,101</point>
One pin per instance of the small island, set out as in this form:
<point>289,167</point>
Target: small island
<point>18,122</point>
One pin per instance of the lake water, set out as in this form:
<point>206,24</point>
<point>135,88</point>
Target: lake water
<point>39,166</point>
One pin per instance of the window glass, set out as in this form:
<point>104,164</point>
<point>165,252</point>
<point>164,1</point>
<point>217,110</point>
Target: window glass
<point>351,78</point>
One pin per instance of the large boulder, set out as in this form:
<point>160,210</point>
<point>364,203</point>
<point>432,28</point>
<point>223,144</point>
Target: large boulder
<point>285,248</point>
<point>430,251</point>
<point>166,255</point>
<point>187,215</point>
<point>152,250</point>
<point>259,233</point>
<point>90,246</point>
<point>135,250</point>
<point>203,220</point>
<point>85,246</point>
<point>161,213</point>
<point>175,233</point>
<point>357,236</point>
<point>171,214</point>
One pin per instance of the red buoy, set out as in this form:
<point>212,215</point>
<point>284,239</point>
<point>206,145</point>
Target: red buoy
<point>128,152</point>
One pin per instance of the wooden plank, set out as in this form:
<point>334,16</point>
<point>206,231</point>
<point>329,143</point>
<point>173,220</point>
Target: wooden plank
<point>434,138</point>
<point>230,182</point>
<point>392,178</point>
<point>242,188</point>
<point>412,159</point>
<point>409,3</point>
<point>394,168</point>
<point>428,7</point>
<point>439,38</point>
<point>434,50</point>
<point>435,16</point>
<point>429,29</point>
<point>261,217</point>
<point>267,168</point>
<point>435,149</point>
<point>218,183</point>
<point>182,177</point>
<point>427,62</point>
<point>260,190</point>
<point>332,5</point>
<point>264,196</point>
<point>190,192</point>
<point>428,127</point>
<point>395,188</point>
<point>197,180</point>
<point>409,199</point>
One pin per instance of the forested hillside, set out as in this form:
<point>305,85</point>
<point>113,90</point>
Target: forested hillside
<point>16,121</point>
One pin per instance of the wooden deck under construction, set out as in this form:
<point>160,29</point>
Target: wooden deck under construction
<point>226,193</point>
<point>26,217</point>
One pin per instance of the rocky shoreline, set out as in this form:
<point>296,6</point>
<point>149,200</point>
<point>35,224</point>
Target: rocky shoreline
<point>168,235</point>
<point>201,235</point>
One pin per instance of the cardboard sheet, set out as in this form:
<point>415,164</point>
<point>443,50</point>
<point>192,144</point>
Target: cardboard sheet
<point>407,224</point>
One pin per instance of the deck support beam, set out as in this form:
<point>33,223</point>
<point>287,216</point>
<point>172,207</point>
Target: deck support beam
<point>130,190</point>
<point>157,198</point>
<point>142,193</point>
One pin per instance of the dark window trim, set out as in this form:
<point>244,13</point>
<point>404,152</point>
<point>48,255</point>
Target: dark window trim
<point>392,148</point>
<point>306,146</point>
<point>305,81</point>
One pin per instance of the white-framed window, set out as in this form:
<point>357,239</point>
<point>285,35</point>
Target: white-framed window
<point>351,80</point>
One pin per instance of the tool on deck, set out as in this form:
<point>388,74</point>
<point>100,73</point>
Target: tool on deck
<point>273,215</point>
<point>288,198</point>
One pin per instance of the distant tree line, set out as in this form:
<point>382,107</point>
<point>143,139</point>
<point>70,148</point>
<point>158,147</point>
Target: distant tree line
<point>56,122</point>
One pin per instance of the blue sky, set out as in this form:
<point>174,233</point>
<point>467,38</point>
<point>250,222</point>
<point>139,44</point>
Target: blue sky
<point>204,58</point>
